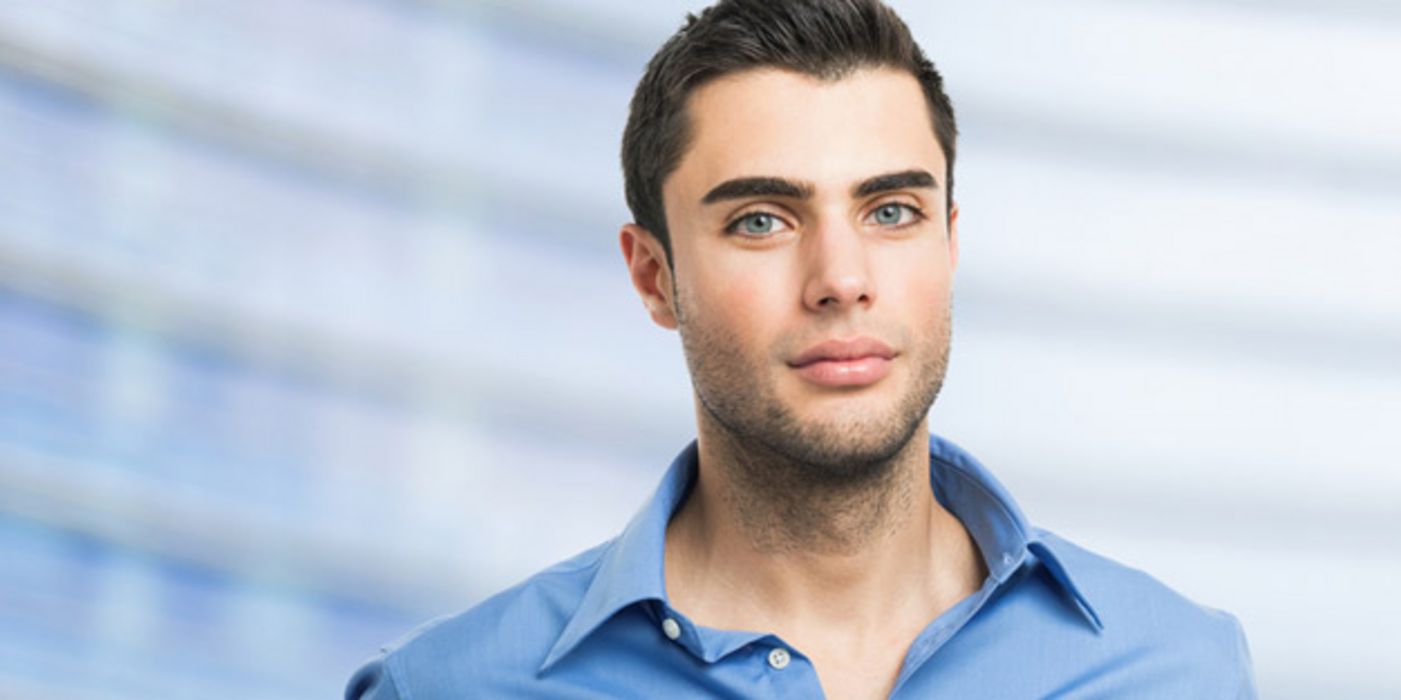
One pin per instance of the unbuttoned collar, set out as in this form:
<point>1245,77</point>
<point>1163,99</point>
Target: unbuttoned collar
<point>631,571</point>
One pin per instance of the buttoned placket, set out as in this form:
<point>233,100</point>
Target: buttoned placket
<point>786,674</point>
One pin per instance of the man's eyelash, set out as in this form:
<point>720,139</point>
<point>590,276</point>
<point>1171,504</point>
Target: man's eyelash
<point>917,214</point>
<point>903,205</point>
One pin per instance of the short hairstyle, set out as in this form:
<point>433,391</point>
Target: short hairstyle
<point>826,39</point>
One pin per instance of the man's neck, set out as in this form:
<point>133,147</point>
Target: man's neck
<point>802,558</point>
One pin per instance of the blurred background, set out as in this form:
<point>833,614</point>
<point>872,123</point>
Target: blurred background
<point>313,324</point>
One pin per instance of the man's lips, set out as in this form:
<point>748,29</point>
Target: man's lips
<point>844,362</point>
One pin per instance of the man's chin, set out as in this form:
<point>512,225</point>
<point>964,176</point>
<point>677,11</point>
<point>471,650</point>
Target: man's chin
<point>857,420</point>
<point>841,445</point>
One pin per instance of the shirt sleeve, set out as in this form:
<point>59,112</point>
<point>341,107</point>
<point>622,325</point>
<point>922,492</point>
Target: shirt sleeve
<point>373,682</point>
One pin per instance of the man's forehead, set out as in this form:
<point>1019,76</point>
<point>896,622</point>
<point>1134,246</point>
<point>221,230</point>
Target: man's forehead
<point>830,134</point>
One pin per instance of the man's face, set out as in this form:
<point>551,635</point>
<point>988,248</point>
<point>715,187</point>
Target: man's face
<point>813,262</point>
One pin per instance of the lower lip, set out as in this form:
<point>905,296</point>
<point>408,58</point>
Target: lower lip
<point>858,372</point>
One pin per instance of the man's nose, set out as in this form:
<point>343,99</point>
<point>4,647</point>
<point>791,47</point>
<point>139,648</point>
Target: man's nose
<point>838,269</point>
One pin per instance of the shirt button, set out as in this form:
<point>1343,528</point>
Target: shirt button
<point>778,658</point>
<point>1007,559</point>
<point>671,629</point>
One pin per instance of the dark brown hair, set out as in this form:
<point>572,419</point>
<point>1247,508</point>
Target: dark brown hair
<point>826,39</point>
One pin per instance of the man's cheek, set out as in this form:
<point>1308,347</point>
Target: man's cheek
<point>750,308</point>
<point>923,284</point>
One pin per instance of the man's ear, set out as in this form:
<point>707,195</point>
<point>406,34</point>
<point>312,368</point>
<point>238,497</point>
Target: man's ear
<point>650,273</point>
<point>953,237</point>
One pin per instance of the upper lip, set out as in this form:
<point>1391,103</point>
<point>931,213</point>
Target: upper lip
<point>843,349</point>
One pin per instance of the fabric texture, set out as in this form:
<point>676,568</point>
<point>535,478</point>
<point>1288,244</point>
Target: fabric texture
<point>1051,620</point>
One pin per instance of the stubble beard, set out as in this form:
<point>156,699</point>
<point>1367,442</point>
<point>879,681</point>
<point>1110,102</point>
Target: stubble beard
<point>809,484</point>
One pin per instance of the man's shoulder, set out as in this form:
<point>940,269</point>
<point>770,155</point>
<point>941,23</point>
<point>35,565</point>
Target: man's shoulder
<point>1140,612</point>
<point>501,640</point>
<point>1119,591</point>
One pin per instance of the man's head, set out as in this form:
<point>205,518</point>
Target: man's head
<point>826,39</point>
<point>812,240</point>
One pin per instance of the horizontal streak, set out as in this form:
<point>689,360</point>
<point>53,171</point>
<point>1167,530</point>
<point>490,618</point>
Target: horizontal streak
<point>1190,330</point>
<point>986,118</point>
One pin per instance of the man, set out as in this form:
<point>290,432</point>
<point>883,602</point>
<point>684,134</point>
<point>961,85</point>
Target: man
<point>789,166</point>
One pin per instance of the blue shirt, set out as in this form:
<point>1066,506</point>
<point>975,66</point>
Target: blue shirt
<point>1051,620</point>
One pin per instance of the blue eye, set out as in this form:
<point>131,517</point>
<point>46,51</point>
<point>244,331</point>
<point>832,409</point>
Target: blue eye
<point>757,224</point>
<point>895,214</point>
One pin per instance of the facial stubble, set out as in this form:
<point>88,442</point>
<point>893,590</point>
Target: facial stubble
<point>807,484</point>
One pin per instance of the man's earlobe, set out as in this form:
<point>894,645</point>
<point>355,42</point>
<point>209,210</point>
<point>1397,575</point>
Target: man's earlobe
<point>650,272</point>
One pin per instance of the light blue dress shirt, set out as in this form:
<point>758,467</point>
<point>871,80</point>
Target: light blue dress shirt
<point>1052,620</point>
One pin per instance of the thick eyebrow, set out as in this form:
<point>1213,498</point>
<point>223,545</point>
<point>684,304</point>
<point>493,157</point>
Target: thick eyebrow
<point>742,187</point>
<point>894,181</point>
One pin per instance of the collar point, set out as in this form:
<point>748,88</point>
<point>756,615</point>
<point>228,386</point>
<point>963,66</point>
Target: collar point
<point>557,652</point>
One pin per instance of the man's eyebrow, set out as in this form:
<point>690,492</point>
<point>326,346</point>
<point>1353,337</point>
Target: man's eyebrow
<point>894,181</point>
<point>742,187</point>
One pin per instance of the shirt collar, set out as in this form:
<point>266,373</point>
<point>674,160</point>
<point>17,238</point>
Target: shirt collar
<point>967,489</point>
<point>630,571</point>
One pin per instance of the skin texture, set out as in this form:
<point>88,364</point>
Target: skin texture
<point>812,516</point>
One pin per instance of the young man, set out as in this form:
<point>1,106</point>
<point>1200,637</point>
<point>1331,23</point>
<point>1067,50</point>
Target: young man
<point>789,166</point>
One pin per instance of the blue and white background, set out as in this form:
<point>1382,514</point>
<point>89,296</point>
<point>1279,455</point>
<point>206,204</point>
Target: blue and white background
<point>313,326</point>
